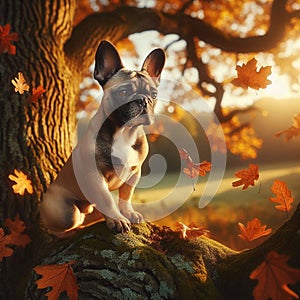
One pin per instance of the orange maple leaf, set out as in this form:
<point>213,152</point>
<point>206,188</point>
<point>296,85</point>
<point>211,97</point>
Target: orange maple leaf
<point>17,236</point>
<point>283,195</point>
<point>191,231</point>
<point>248,176</point>
<point>20,84</point>
<point>4,241</point>
<point>6,38</point>
<point>247,76</point>
<point>22,183</point>
<point>253,230</point>
<point>292,131</point>
<point>36,93</point>
<point>60,277</point>
<point>193,170</point>
<point>273,277</point>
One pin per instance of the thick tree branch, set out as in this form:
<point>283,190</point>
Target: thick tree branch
<point>124,21</point>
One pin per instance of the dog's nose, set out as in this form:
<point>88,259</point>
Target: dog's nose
<point>142,102</point>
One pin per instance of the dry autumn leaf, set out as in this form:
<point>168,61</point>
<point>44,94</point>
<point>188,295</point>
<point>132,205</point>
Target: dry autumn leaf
<point>273,277</point>
<point>4,241</point>
<point>283,195</point>
<point>36,93</point>
<point>17,236</point>
<point>191,231</point>
<point>193,170</point>
<point>247,76</point>
<point>60,277</point>
<point>248,176</point>
<point>6,39</point>
<point>22,183</point>
<point>253,230</point>
<point>20,84</point>
<point>292,131</point>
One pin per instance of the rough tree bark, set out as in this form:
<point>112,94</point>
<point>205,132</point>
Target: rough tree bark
<point>154,263</point>
<point>37,137</point>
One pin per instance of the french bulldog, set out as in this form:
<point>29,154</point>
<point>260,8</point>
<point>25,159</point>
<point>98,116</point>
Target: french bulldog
<point>110,155</point>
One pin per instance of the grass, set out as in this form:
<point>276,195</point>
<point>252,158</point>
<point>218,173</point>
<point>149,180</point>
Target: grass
<point>230,205</point>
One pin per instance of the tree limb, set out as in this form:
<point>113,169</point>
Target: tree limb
<point>124,21</point>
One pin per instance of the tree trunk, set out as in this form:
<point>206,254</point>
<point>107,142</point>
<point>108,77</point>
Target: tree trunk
<point>154,263</point>
<point>36,138</point>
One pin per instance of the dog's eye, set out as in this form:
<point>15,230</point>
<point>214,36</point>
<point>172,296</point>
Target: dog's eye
<point>153,95</point>
<point>122,93</point>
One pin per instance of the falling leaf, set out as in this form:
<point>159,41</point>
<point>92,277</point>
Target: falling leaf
<point>253,230</point>
<point>247,76</point>
<point>283,195</point>
<point>36,93</point>
<point>193,170</point>
<point>4,241</point>
<point>273,277</point>
<point>191,231</point>
<point>22,183</point>
<point>20,84</point>
<point>292,131</point>
<point>60,277</point>
<point>248,176</point>
<point>17,236</point>
<point>6,38</point>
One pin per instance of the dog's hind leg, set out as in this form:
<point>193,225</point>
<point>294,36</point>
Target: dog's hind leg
<point>59,213</point>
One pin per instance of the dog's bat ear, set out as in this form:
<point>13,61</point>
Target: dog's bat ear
<point>154,63</point>
<point>107,62</point>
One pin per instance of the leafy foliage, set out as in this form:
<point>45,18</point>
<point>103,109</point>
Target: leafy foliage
<point>273,276</point>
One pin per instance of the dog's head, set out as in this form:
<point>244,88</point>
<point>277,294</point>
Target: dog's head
<point>129,96</point>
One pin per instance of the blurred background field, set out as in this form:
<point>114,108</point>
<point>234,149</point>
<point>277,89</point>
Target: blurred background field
<point>231,205</point>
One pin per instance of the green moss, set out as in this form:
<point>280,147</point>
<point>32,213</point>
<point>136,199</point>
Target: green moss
<point>164,290</point>
<point>182,264</point>
<point>107,253</point>
<point>107,274</point>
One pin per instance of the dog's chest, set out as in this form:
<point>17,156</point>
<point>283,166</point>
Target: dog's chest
<point>125,148</point>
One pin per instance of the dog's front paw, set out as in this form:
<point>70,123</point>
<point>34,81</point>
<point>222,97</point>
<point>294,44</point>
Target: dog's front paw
<point>118,225</point>
<point>133,215</point>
